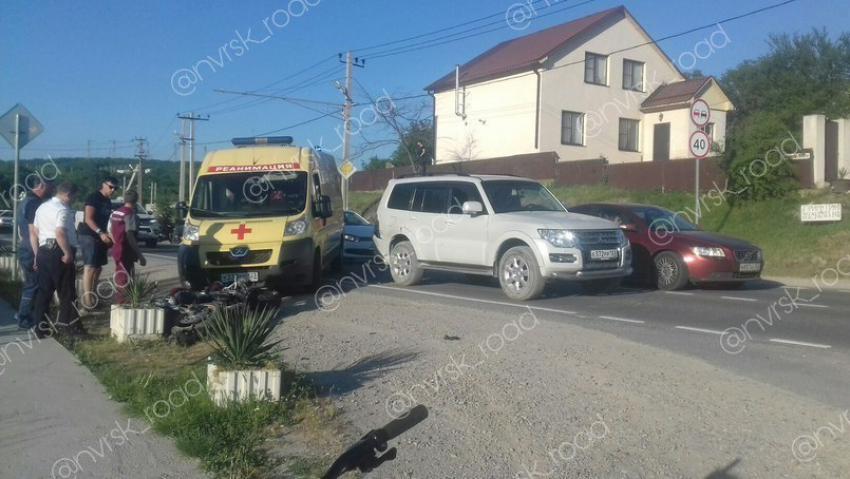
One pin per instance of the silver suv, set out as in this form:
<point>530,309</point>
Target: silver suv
<point>494,225</point>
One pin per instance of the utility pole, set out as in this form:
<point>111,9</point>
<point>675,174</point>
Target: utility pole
<point>346,115</point>
<point>192,117</point>
<point>141,156</point>
<point>89,149</point>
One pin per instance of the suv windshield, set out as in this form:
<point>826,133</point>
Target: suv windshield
<point>250,195</point>
<point>658,219</point>
<point>516,195</point>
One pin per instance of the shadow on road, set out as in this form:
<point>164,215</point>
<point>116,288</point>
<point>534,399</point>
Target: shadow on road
<point>353,376</point>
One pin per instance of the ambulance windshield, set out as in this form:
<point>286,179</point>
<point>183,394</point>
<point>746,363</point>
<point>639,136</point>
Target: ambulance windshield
<point>250,194</point>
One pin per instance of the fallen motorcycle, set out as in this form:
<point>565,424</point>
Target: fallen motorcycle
<point>187,311</point>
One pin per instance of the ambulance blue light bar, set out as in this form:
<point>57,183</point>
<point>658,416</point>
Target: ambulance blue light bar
<point>262,140</point>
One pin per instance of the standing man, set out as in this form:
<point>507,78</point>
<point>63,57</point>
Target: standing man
<point>28,244</point>
<point>57,246</point>
<point>94,239</point>
<point>123,225</point>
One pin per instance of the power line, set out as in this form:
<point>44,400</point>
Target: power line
<point>687,32</point>
<point>204,108</point>
<point>447,38</point>
<point>470,22</point>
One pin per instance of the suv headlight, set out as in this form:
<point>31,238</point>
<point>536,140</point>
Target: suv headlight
<point>708,252</point>
<point>191,232</point>
<point>295,227</point>
<point>350,238</point>
<point>560,238</point>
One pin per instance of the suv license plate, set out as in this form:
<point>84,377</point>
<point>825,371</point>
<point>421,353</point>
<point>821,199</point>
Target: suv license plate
<point>234,277</point>
<point>605,254</point>
<point>750,267</point>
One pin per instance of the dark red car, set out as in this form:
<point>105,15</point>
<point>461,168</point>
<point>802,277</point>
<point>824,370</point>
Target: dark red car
<point>670,252</point>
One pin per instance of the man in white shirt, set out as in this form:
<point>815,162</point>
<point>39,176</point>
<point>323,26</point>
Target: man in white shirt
<point>57,248</point>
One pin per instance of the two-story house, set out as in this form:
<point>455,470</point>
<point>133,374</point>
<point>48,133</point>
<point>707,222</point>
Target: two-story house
<point>593,87</point>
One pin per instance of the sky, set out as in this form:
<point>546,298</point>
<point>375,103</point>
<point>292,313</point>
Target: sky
<point>100,71</point>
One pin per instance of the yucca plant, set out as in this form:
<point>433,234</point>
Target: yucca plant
<point>139,291</point>
<point>240,336</point>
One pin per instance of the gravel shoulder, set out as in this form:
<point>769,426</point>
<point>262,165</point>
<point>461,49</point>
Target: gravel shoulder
<point>524,396</point>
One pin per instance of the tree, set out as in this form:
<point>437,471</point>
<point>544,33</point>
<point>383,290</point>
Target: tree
<point>375,163</point>
<point>466,151</point>
<point>403,125</point>
<point>800,75</point>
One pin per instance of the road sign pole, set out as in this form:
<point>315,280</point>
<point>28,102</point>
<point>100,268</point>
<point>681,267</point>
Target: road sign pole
<point>15,196</point>
<point>697,211</point>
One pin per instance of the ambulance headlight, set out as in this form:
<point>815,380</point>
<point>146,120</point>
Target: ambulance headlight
<point>191,232</point>
<point>295,227</point>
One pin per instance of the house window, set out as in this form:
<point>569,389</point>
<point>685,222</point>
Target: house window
<point>632,75</point>
<point>629,133</point>
<point>709,130</point>
<point>572,128</point>
<point>596,69</point>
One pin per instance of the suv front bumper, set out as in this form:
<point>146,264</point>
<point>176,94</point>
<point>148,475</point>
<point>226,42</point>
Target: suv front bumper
<point>575,264</point>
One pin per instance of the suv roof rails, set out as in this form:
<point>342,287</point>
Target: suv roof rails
<point>412,175</point>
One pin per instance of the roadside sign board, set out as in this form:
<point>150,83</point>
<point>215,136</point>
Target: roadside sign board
<point>814,213</point>
<point>30,127</point>
<point>700,144</point>
<point>700,113</point>
<point>347,169</point>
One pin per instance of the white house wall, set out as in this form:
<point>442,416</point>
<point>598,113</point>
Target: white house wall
<point>564,88</point>
<point>500,119</point>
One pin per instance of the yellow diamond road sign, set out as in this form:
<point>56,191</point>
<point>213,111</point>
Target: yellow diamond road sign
<point>347,169</point>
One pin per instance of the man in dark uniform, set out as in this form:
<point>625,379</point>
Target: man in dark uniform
<point>94,239</point>
<point>39,193</point>
<point>57,246</point>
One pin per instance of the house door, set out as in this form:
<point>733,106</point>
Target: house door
<point>831,151</point>
<point>661,142</point>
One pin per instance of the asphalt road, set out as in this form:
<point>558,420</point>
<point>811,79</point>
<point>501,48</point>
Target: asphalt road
<point>793,338</point>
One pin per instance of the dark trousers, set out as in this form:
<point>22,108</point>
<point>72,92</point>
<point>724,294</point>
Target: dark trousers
<point>55,276</point>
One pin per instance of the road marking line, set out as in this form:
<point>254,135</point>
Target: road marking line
<point>487,301</point>
<point>624,320</point>
<point>700,330</point>
<point>799,343</point>
<point>812,305</point>
<point>680,293</point>
<point>736,298</point>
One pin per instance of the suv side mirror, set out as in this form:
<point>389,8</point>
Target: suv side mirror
<point>629,227</point>
<point>472,207</point>
<point>325,207</point>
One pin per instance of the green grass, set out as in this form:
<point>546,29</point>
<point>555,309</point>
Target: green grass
<point>362,201</point>
<point>163,384</point>
<point>791,248</point>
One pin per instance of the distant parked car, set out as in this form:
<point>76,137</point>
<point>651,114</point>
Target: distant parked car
<point>357,240</point>
<point>670,252</point>
<point>7,221</point>
<point>148,231</point>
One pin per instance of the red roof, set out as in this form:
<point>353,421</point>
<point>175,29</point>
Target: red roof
<point>521,53</point>
<point>675,93</point>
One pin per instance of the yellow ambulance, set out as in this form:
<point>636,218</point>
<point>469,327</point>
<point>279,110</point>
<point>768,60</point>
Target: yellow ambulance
<point>264,211</point>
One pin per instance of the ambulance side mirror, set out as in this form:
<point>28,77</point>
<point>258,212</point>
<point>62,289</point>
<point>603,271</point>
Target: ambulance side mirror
<point>181,211</point>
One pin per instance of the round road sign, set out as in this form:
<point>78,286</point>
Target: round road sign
<point>700,144</point>
<point>700,113</point>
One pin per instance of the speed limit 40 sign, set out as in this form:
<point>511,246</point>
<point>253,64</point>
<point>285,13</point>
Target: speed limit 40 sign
<point>700,144</point>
